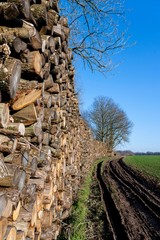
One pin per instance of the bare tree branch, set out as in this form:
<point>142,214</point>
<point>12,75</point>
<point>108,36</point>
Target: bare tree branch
<point>96,30</point>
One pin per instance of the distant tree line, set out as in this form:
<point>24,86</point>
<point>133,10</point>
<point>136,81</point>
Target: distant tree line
<point>147,153</point>
<point>130,153</point>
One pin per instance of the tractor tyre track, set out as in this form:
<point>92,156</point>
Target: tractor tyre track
<point>131,203</point>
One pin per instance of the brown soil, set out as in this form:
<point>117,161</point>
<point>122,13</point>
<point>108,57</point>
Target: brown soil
<point>131,202</point>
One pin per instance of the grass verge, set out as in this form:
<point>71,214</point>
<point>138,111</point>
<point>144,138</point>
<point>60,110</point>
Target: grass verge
<point>149,165</point>
<point>80,222</point>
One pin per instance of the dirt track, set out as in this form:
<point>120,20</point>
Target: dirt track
<point>132,203</point>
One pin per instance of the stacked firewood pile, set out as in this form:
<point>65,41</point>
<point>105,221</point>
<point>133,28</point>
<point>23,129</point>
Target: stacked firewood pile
<point>45,147</point>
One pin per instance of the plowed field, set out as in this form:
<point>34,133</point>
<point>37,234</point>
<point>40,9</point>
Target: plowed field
<point>131,202</point>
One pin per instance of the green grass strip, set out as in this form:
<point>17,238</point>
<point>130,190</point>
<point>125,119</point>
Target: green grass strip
<point>80,210</point>
<point>149,164</point>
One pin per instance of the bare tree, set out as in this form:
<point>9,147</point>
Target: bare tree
<point>108,122</point>
<point>96,31</point>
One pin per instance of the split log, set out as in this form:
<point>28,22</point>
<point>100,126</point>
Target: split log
<point>69,55</point>
<point>10,74</point>
<point>31,233</point>
<point>5,50</point>
<point>54,58</point>
<point>21,226</point>
<point>11,233</point>
<point>14,178</point>
<point>8,209</point>
<point>3,168</point>
<point>26,99</point>
<point>46,70</point>
<point>3,203</point>
<point>64,47</point>
<point>33,66</point>
<point>65,214</point>
<point>48,42</point>
<point>47,99</point>
<point>39,228</point>
<point>48,192</point>
<point>4,115</point>
<point>5,149</point>
<point>39,204</point>
<point>34,215</point>
<point>58,43</point>
<point>27,115</point>
<point>46,139</point>
<point>26,32</point>
<point>19,179</point>
<point>23,6</point>
<point>63,21</point>
<point>38,182</point>
<point>9,158</point>
<point>34,35</point>
<point>52,19</point>
<point>47,219</point>
<point>33,166</point>
<point>48,83</point>
<point>16,211</point>
<point>66,31</point>
<point>3,227</point>
<point>20,235</point>
<point>25,85</point>
<point>25,158</point>
<point>57,30</point>
<point>54,89</point>
<point>10,10</point>
<point>19,45</point>
<point>39,12</point>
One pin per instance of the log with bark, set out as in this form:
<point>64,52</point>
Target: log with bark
<point>23,6</point>
<point>26,115</point>
<point>10,74</point>
<point>3,227</point>
<point>33,65</point>
<point>14,129</point>
<point>4,115</point>
<point>27,33</point>
<point>39,13</point>
<point>9,11</point>
<point>26,99</point>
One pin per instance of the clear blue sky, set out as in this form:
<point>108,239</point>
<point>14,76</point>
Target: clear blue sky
<point>135,84</point>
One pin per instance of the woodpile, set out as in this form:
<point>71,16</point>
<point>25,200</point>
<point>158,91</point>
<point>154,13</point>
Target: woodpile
<point>45,147</point>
